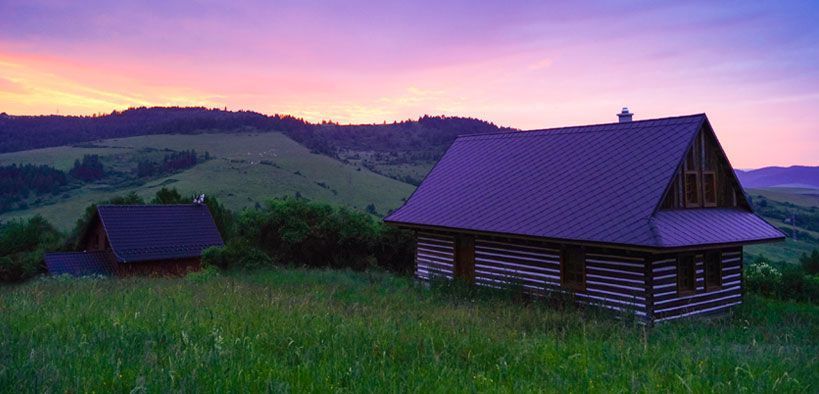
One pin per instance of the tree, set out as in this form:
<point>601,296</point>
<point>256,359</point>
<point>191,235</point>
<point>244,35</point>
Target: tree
<point>168,196</point>
<point>810,263</point>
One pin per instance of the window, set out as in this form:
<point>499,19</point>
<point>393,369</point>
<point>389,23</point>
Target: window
<point>709,188</point>
<point>692,189</point>
<point>686,274</point>
<point>713,270</point>
<point>573,268</point>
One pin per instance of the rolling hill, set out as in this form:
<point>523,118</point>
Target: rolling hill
<point>245,168</point>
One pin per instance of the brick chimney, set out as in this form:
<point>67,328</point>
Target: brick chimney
<point>624,115</point>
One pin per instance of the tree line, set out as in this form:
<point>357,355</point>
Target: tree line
<point>19,182</point>
<point>173,162</point>
<point>427,133</point>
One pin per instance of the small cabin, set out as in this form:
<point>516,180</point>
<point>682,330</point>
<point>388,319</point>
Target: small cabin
<point>125,240</point>
<point>644,217</point>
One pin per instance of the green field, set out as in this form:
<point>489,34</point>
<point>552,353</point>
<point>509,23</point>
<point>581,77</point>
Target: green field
<point>245,168</point>
<point>805,203</point>
<point>799,196</point>
<point>299,330</point>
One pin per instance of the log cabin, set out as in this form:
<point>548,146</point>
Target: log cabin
<point>644,217</point>
<point>126,240</point>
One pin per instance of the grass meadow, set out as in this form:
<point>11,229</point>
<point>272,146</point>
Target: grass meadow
<point>246,168</point>
<point>295,330</point>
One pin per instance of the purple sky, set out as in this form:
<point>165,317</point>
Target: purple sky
<point>753,67</point>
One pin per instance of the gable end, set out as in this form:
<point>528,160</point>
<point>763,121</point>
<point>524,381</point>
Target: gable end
<point>704,177</point>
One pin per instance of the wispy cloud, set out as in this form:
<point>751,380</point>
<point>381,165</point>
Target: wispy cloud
<point>528,65</point>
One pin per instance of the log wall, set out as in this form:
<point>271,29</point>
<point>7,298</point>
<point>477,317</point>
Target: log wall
<point>669,304</point>
<point>642,284</point>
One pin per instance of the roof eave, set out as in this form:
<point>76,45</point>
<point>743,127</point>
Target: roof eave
<point>642,248</point>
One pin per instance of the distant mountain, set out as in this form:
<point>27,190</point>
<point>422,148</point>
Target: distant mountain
<point>794,176</point>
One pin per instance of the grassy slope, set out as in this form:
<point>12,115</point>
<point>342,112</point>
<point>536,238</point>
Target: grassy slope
<point>789,250</point>
<point>239,184</point>
<point>296,330</point>
<point>798,196</point>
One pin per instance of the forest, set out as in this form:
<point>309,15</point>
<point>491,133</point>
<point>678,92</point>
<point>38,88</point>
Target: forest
<point>173,162</point>
<point>428,133</point>
<point>18,182</point>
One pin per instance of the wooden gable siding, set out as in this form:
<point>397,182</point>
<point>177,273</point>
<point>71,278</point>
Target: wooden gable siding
<point>613,280</point>
<point>96,238</point>
<point>669,304</point>
<point>704,156</point>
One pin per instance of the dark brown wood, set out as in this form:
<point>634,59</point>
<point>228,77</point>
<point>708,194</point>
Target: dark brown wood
<point>712,269</point>
<point>704,177</point>
<point>95,237</point>
<point>465,257</point>
<point>686,274</point>
<point>172,267</point>
<point>648,277</point>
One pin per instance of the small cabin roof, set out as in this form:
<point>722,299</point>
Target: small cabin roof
<point>597,183</point>
<point>80,263</point>
<point>158,231</point>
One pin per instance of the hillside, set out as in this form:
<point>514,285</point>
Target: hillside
<point>793,177</point>
<point>401,150</point>
<point>290,330</point>
<point>245,168</point>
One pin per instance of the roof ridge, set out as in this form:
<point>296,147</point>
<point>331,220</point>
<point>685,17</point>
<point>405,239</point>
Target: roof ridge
<point>573,129</point>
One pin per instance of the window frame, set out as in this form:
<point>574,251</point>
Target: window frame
<point>682,289</point>
<point>707,270</point>
<point>697,189</point>
<point>573,252</point>
<point>713,182</point>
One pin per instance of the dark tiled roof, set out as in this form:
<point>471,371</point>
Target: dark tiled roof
<point>158,232</point>
<point>598,183</point>
<point>80,263</point>
<point>683,227</point>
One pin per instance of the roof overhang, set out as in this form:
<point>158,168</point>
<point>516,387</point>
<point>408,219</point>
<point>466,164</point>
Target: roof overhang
<point>598,244</point>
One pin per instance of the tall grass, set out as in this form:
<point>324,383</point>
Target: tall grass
<point>305,330</point>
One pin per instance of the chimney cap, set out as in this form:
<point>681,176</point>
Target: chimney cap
<point>625,115</point>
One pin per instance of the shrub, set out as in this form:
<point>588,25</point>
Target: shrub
<point>763,278</point>
<point>320,235</point>
<point>23,244</point>
<point>235,254</point>
<point>810,263</point>
<point>788,281</point>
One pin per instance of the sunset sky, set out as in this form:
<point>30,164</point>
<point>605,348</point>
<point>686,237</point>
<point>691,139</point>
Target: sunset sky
<point>753,67</point>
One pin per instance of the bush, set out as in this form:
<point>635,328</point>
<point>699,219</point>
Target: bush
<point>763,278</point>
<point>235,254</point>
<point>810,263</point>
<point>23,244</point>
<point>297,231</point>
<point>787,281</point>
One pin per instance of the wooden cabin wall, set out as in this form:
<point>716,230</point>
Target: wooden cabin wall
<point>669,304</point>
<point>173,267</point>
<point>434,255</point>
<point>96,238</point>
<point>613,280</point>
